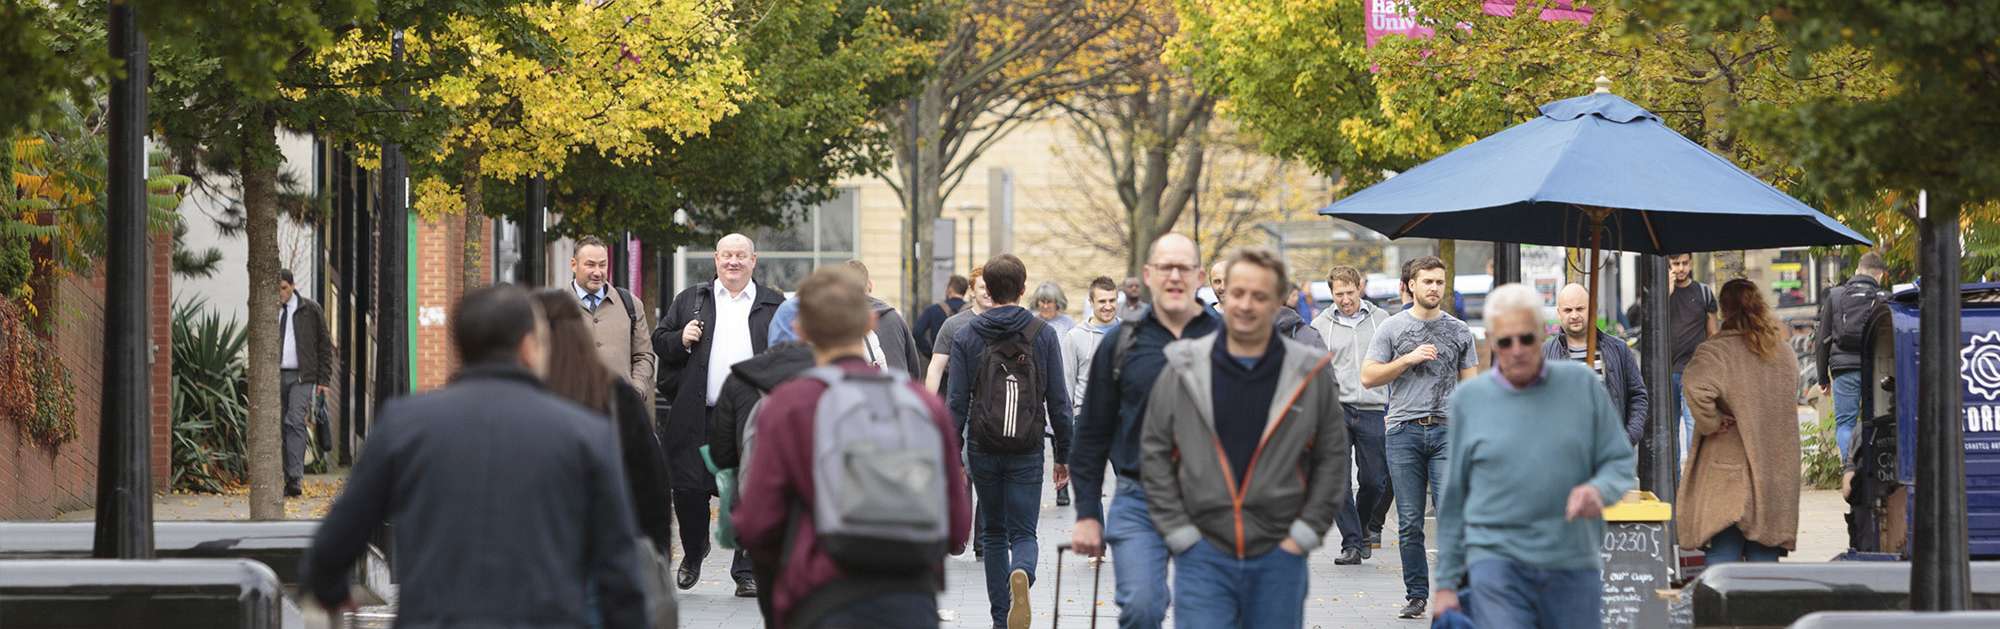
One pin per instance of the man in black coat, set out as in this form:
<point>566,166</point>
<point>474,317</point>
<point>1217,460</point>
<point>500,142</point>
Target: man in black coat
<point>508,501</point>
<point>709,328</point>
<point>305,366</point>
<point>1616,365</point>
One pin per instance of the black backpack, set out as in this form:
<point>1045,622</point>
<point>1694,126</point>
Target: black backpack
<point>1008,413</point>
<point>1853,306</point>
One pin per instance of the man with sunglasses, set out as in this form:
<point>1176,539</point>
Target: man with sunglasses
<point>1537,451</point>
<point>1421,354</point>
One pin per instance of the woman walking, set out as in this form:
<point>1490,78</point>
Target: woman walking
<point>1740,500</point>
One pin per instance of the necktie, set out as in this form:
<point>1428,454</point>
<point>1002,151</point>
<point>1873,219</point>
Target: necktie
<point>284,326</point>
<point>592,306</point>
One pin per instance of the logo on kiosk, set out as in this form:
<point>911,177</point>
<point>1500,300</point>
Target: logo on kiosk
<point>1979,367</point>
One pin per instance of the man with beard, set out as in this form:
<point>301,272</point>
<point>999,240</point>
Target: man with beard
<point>710,327</point>
<point>1421,354</point>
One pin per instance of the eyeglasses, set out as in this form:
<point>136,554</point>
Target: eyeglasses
<point>1171,270</point>
<point>1508,342</point>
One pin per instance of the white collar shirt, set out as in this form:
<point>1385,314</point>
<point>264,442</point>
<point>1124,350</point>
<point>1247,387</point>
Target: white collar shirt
<point>730,342</point>
<point>288,358</point>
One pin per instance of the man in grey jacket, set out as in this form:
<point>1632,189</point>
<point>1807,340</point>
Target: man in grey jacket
<point>1244,459</point>
<point>1348,327</point>
<point>1080,344</point>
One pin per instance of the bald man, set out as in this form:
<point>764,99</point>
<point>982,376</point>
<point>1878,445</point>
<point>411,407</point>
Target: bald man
<point>1114,409</point>
<point>1615,365</point>
<point>710,327</point>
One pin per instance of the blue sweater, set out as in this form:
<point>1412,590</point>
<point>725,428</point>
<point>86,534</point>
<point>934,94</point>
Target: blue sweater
<point>970,344</point>
<point>1515,454</point>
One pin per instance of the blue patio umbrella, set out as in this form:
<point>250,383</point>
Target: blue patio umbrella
<point>1594,171</point>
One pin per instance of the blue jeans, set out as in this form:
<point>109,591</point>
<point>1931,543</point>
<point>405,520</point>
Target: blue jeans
<point>1139,559</point>
<point>1729,546</point>
<point>1506,593</point>
<point>897,610</point>
<point>1365,433</point>
<point>1846,409</point>
<point>1687,421</point>
<point>1215,589</point>
<point>1416,469</point>
<point>1010,499</point>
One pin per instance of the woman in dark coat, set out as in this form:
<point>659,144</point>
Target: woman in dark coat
<point>576,374</point>
<point>684,368</point>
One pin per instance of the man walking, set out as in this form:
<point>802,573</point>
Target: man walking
<point>617,318</point>
<point>710,327</point>
<point>305,366</point>
<point>1080,345</point>
<point>933,316</point>
<point>1537,451</point>
<point>1421,354</point>
<point>1843,321</point>
<point>1244,459</point>
<point>1122,375</point>
<point>1691,319</point>
<point>1006,387</point>
<point>1349,327</point>
<point>1615,363</point>
<point>885,581</point>
<point>509,503</point>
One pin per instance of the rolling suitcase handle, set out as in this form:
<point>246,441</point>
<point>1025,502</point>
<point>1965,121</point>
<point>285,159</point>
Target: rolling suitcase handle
<point>1096,579</point>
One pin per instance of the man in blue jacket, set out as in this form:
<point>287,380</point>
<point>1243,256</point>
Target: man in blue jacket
<point>1615,364</point>
<point>1114,409</point>
<point>1002,419</point>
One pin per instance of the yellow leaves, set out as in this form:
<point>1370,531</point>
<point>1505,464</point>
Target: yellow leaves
<point>436,198</point>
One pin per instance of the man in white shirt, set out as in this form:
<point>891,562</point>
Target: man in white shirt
<point>710,327</point>
<point>305,366</point>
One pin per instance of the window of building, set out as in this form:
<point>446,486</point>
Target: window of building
<point>824,234</point>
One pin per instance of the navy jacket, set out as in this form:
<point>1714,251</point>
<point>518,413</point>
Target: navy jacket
<point>1114,411</point>
<point>508,503</point>
<point>1621,378</point>
<point>970,344</point>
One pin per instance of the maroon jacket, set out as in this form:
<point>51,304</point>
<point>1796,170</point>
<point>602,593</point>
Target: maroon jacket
<point>780,479</point>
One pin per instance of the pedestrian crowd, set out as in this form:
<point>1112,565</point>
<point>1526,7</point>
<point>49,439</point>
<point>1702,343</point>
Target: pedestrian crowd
<point>1236,427</point>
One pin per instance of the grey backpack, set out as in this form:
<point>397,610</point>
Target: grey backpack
<point>879,502</point>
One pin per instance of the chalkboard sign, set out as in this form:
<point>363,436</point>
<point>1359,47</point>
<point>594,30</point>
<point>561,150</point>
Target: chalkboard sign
<point>1635,570</point>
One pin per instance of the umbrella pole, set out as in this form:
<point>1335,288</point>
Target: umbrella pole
<point>1597,216</point>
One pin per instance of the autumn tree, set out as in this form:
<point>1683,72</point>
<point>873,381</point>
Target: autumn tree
<point>820,72</point>
<point>999,64</point>
<point>1148,123</point>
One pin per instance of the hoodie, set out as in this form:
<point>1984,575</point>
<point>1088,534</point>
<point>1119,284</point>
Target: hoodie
<point>1079,345</point>
<point>893,339</point>
<point>748,382</point>
<point>1294,327</point>
<point>1348,344</point>
<point>969,348</point>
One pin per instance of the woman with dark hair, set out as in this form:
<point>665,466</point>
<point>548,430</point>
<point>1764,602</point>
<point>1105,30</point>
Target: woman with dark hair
<point>1740,499</point>
<point>576,374</point>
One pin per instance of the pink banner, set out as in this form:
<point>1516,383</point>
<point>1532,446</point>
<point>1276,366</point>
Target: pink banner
<point>634,263</point>
<point>1393,17</point>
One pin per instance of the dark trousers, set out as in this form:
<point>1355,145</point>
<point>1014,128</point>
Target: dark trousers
<point>1366,508</point>
<point>691,510</point>
<point>894,610</point>
<point>296,397</point>
<point>1010,500</point>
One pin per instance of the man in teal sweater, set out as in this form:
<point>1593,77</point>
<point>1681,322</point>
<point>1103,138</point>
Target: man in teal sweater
<point>1537,451</point>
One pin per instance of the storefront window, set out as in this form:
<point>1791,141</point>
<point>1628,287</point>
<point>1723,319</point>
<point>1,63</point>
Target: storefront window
<point>821,235</point>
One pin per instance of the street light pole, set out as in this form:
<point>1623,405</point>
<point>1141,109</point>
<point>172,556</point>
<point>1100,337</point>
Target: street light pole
<point>392,356</point>
<point>1940,573</point>
<point>124,480</point>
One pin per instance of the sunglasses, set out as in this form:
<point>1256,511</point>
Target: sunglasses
<point>1508,342</point>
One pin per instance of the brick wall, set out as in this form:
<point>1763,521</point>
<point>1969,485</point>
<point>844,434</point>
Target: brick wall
<point>440,281</point>
<point>39,483</point>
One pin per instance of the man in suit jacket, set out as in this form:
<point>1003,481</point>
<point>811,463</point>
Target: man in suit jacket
<point>508,501</point>
<point>710,327</point>
<point>305,366</point>
<point>616,317</point>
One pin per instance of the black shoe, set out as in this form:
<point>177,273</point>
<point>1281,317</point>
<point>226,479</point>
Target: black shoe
<point>1365,552</point>
<point>1415,609</point>
<point>690,573</point>
<point>1349,557</point>
<point>746,588</point>
<point>1062,496</point>
<point>1375,539</point>
<point>293,491</point>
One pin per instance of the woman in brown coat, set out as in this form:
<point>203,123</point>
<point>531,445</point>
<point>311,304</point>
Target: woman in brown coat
<point>1740,495</point>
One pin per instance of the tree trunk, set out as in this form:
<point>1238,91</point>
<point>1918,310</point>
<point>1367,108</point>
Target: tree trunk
<point>919,165</point>
<point>260,163</point>
<point>475,209</point>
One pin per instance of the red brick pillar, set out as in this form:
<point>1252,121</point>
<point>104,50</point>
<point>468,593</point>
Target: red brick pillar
<point>161,313</point>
